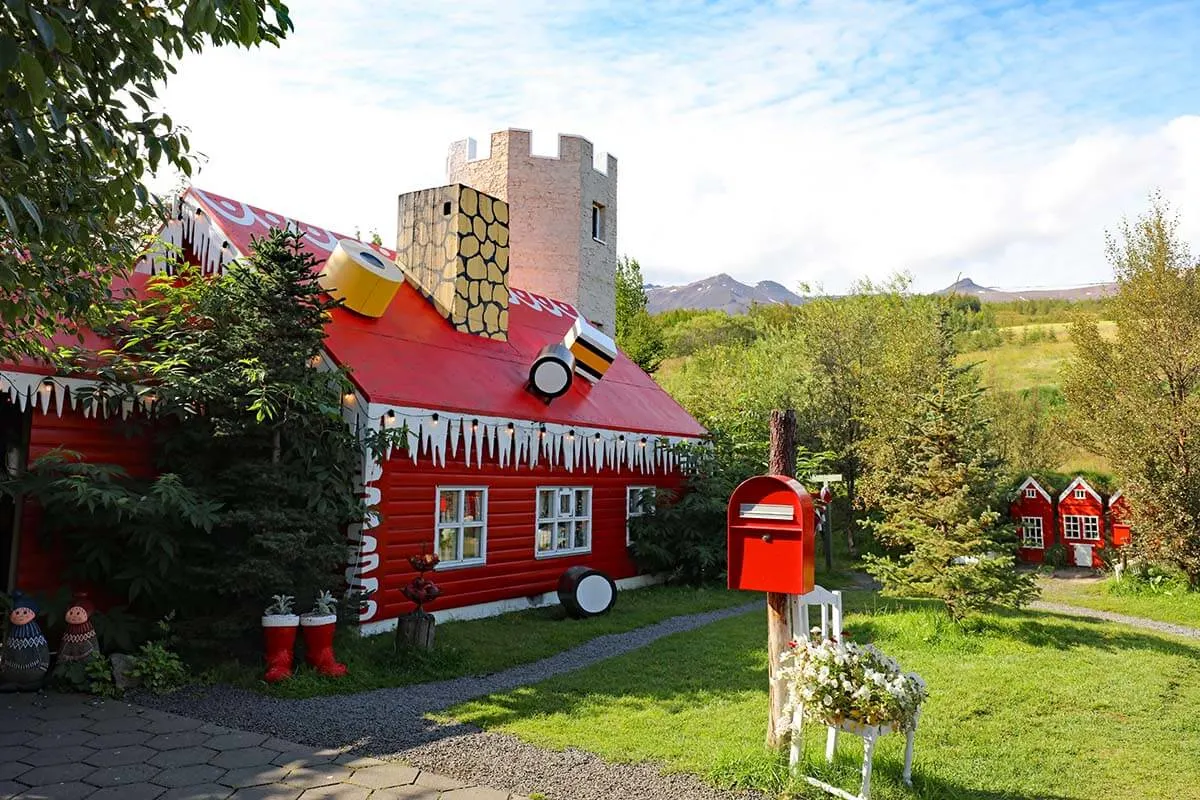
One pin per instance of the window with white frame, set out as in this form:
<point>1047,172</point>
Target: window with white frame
<point>1082,527</point>
<point>461,538</point>
<point>639,501</point>
<point>1031,533</point>
<point>1080,494</point>
<point>564,520</point>
<point>598,222</point>
<point>1030,492</point>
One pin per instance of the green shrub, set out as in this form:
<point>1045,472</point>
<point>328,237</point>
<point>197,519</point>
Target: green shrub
<point>1055,556</point>
<point>156,666</point>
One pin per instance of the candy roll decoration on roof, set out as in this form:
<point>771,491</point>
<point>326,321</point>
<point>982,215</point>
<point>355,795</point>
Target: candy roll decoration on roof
<point>363,278</point>
<point>594,351</point>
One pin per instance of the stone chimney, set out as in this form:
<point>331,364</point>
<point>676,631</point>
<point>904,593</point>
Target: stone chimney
<point>452,243</point>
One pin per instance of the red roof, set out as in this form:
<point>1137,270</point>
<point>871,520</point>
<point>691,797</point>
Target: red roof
<point>413,357</point>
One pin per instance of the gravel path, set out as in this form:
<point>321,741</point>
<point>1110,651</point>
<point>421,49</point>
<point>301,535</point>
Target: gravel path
<point>1124,619</point>
<point>391,722</point>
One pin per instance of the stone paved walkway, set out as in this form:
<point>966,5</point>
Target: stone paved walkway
<point>71,747</point>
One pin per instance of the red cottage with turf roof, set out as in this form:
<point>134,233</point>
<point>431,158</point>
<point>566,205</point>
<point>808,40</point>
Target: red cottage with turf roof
<point>1032,511</point>
<point>511,475</point>
<point>1081,523</point>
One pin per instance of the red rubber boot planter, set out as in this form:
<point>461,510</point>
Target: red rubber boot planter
<point>318,644</point>
<point>279,632</point>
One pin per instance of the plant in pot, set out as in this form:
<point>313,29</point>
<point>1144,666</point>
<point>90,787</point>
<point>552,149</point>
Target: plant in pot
<point>318,626</point>
<point>279,634</point>
<point>416,628</point>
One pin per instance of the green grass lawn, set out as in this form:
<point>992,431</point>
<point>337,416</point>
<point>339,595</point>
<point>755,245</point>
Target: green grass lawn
<point>478,647</point>
<point>1178,606</point>
<point>1023,705</point>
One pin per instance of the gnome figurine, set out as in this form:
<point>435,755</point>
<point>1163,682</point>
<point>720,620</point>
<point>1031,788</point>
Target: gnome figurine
<point>26,655</point>
<point>79,643</point>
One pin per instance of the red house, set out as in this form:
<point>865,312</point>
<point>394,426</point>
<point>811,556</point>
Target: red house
<point>1118,519</point>
<point>1081,523</point>
<point>1033,511</point>
<point>532,441</point>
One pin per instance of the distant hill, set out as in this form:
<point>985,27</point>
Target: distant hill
<point>720,292</point>
<point>988,295</point>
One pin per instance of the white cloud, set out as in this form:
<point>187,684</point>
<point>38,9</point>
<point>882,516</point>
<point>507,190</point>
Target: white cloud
<point>820,141</point>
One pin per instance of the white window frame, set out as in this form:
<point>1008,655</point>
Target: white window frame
<point>1076,527</point>
<point>1081,494</point>
<point>641,512</point>
<point>461,524</point>
<point>1028,540</point>
<point>1030,492</point>
<point>538,520</point>
<point>599,223</point>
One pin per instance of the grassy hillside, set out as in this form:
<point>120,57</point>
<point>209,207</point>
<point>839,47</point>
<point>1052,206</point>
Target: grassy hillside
<point>1031,356</point>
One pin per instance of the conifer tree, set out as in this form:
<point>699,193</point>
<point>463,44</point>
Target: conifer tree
<point>933,485</point>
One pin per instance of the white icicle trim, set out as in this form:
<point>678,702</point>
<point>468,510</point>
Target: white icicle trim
<point>30,390</point>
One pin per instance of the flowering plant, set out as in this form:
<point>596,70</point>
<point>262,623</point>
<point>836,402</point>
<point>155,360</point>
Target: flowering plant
<point>421,590</point>
<point>835,682</point>
<point>424,562</point>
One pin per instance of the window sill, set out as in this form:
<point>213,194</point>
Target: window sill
<point>563,553</point>
<point>445,566</point>
<point>599,241</point>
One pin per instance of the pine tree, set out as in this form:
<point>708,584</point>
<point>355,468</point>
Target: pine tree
<point>933,485</point>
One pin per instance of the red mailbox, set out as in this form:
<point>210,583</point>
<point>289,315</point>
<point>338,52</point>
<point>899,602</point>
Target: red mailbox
<point>771,536</point>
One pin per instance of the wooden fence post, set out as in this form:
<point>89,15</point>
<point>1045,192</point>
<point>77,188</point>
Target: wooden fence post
<point>781,460</point>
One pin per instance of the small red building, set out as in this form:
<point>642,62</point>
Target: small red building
<point>1081,523</point>
<point>1118,519</point>
<point>1033,512</point>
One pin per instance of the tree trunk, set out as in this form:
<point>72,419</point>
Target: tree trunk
<point>781,460</point>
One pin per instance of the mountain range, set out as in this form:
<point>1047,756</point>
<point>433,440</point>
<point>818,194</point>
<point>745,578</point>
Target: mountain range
<point>725,293</point>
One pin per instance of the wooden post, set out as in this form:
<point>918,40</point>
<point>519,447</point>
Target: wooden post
<point>781,460</point>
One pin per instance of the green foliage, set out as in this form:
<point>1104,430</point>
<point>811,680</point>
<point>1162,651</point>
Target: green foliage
<point>1027,429</point>
<point>81,131</point>
<point>1055,556</point>
<point>1136,399</point>
<point>933,483</point>
<point>637,334</point>
<point>156,666</point>
<point>686,335</point>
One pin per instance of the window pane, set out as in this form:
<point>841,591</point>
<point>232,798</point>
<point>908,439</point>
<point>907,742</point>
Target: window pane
<point>448,544</point>
<point>634,497</point>
<point>563,540</point>
<point>581,534</point>
<point>546,504</point>
<point>581,502</point>
<point>473,506</point>
<point>545,538</point>
<point>564,503</point>
<point>448,511</point>
<point>648,496</point>
<point>472,541</point>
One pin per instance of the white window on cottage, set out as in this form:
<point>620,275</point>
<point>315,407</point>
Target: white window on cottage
<point>461,537</point>
<point>639,501</point>
<point>1080,494</point>
<point>1031,533</point>
<point>1030,492</point>
<point>1081,527</point>
<point>564,520</point>
<point>599,226</point>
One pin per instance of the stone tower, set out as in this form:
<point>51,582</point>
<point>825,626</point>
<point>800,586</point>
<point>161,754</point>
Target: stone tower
<point>563,217</point>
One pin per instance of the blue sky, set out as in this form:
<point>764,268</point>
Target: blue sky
<point>815,142</point>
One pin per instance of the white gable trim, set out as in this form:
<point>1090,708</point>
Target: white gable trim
<point>1114,498</point>
<point>1079,482</point>
<point>1030,481</point>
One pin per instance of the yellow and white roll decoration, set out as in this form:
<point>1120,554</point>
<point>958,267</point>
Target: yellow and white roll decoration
<point>594,351</point>
<point>362,277</point>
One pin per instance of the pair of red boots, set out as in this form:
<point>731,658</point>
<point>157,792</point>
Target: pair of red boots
<point>279,631</point>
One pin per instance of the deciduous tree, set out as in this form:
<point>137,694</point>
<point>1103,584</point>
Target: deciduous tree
<point>636,332</point>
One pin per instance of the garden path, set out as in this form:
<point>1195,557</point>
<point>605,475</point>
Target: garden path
<point>1111,616</point>
<point>391,722</point>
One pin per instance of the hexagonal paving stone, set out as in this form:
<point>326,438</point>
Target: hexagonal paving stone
<point>475,793</point>
<point>318,775</point>
<point>442,782</point>
<point>59,791</point>
<point>108,741</point>
<point>67,725</point>
<point>14,738</point>
<point>254,776</point>
<point>173,725</point>
<point>58,755</point>
<point>172,741</point>
<point>183,757</point>
<point>117,756</point>
<point>304,757</point>
<point>245,757</point>
<point>358,762</point>
<point>191,774</point>
<point>125,773</point>
<point>69,709</point>
<point>274,792</point>
<point>213,729</point>
<point>406,793</point>
<point>59,773</point>
<point>341,791</point>
<point>130,791</point>
<point>118,725</point>
<point>205,791</point>
<point>12,789</point>
<point>18,723</point>
<point>14,753</point>
<point>11,769</point>
<point>109,709</point>
<point>235,741</point>
<point>385,776</point>
<point>72,739</point>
